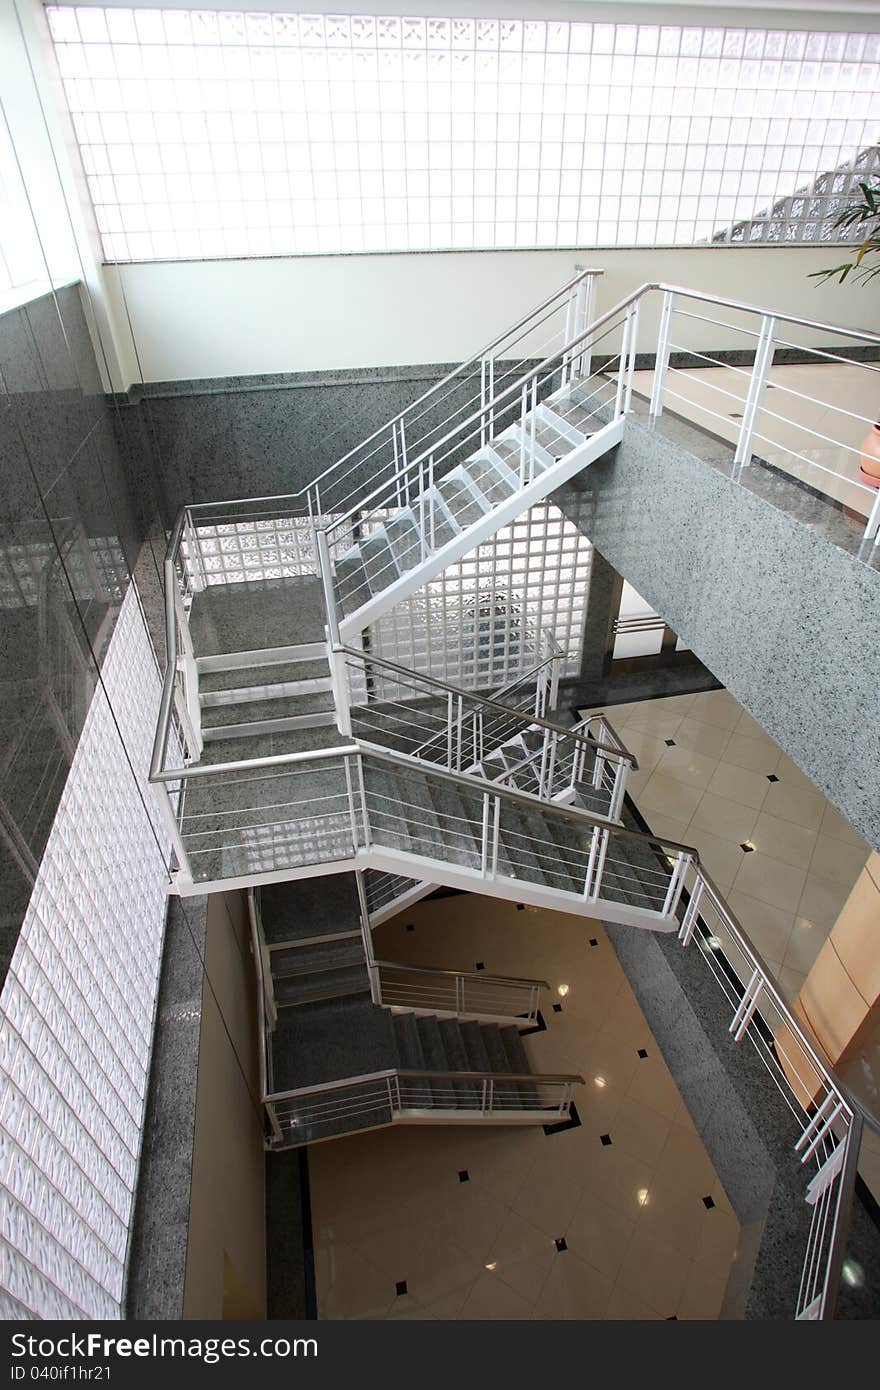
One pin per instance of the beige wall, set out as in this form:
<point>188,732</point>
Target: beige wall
<point>226,1251</point>
<point>195,319</point>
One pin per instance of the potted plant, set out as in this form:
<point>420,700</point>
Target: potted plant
<point>864,214</point>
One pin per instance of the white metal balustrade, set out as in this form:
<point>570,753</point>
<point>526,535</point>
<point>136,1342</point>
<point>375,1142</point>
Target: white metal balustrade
<point>427,990</point>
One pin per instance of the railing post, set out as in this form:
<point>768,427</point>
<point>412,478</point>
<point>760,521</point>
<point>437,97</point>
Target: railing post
<point>755,393</point>
<point>661,361</point>
<point>166,810</point>
<point>623,358</point>
<point>450,698</point>
<point>619,789</point>
<point>586,358</point>
<point>692,912</point>
<point>496,836</point>
<point>523,416</point>
<point>676,884</point>
<point>273,1120</point>
<point>365,818</point>
<point>872,528</point>
<point>534,428</point>
<point>631,357</point>
<point>484,841</point>
<point>198,574</point>
<point>484,401</point>
<point>746,1007</point>
<point>340,688</point>
<point>484,1106</point>
<point>458,723</point>
<point>431,501</point>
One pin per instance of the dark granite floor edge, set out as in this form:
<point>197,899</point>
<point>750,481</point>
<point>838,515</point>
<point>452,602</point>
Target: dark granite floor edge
<point>156,1262</point>
<point>290,1258</point>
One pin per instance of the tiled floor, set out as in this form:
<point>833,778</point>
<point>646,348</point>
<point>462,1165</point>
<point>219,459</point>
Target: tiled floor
<point>542,1226</point>
<point>704,778</point>
<point>814,418</point>
<point>709,776</point>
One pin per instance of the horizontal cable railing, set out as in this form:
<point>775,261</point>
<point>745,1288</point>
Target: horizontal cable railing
<point>436,723</point>
<point>825,1126</point>
<point>338,1107</point>
<point>467,994</point>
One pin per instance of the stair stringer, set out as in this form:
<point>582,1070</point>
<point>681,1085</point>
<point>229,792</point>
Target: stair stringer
<point>439,872</point>
<point>547,481</point>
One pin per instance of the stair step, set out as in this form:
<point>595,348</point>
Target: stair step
<point>275,673</point>
<point>491,477</point>
<point>495,1049</point>
<point>574,413</point>
<point>405,541</point>
<point>389,815</point>
<point>378,561</point>
<point>474,1046</point>
<point>469,1093</point>
<point>460,825</point>
<point>409,1045</point>
<point>316,956</point>
<point>225,720</point>
<point>352,589</point>
<point>445,527</point>
<point>329,984</point>
<point>461,503</point>
<point>554,433</point>
<point>238,695</point>
<point>519,1062</point>
<point>309,908</point>
<point>269,660</point>
<point>509,446</point>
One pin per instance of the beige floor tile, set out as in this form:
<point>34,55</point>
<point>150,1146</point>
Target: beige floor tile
<point>718,1239</point>
<point>673,1217</point>
<point>624,1306</point>
<point>652,1085</point>
<point>837,827</point>
<point>767,928</point>
<point>716,707</point>
<point>792,803</point>
<point>790,983</point>
<point>783,839</point>
<point>721,859</point>
<point>821,901</point>
<point>472,1219</point>
<point>492,1298</point>
<point>645,747</point>
<point>673,798</point>
<point>547,1206</point>
<point>836,861</point>
<point>703,1294</point>
<point>654,1271</point>
<point>804,945</point>
<point>684,1165</point>
<point>749,726</point>
<point>770,881</point>
<point>600,1234</point>
<point>574,1290</point>
<point>708,739</point>
<point>360,1290</point>
<point>441,1270</point>
<point>739,784</point>
<point>640,1130</point>
<point>408,1309</point>
<point>527,1277</point>
<point>517,1238</point>
<point>687,766</point>
<point>659,724</point>
<point>448,1308</point>
<point>668,827</point>
<point>728,820</point>
<point>757,754</point>
<point>623,1180</point>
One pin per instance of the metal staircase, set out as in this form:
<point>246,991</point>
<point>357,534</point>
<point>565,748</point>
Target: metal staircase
<point>350,1043</point>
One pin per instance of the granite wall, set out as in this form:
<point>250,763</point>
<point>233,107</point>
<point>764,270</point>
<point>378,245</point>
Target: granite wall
<point>768,583</point>
<point>74,513</point>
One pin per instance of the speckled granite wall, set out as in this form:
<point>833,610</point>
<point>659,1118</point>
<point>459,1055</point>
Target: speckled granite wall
<point>766,582</point>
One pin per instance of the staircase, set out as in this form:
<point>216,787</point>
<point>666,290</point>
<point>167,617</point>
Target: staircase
<point>338,1058</point>
<point>416,524</point>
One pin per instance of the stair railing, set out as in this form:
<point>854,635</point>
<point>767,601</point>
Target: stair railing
<point>435,722</point>
<point>428,990</point>
<point>323,1111</point>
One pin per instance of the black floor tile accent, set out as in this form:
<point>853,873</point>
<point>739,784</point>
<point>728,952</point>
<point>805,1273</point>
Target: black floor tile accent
<point>464,1175</point>
<point>573,1122</point>
<point>400,1287</point>
<point>410,926</point>
<point>642,1053</point>
<point>771,777</point>
<point>520,907</point>
<point>605,1140</point>
<point>670,742</point>
<point>561,1243</point>
<point>480,965</point>
<point>746,847</point>
<point>557,1008</point>
<point>708,1203</point>
<point>593,941</point>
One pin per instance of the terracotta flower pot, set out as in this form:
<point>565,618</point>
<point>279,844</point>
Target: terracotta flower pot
<point>870,457</point>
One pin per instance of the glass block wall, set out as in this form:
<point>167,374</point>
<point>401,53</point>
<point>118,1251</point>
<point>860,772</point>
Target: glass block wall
<point>212,133</point>
<point>77,1010</point>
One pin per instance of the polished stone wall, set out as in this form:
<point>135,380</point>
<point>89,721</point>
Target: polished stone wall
<point>767,582</point>
<point>73,515</point>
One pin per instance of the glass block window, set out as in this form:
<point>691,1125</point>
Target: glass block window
<point>211,133</point>
<point>76,1012</point>
<point>480,623</point>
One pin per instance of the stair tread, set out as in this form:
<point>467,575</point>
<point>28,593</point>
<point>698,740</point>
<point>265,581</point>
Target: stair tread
<point>495,1049</point>
<point>405,541</point>
<point>496,486</point>
<point>336,983</point>
<point>309,907</point>
<point>317,956</point>
<point>276,673</point>
<point>253,711</point>
<point>472,1038</point>
<point>460,500</point>
<point>409,1044</point>
<point>378,561</point>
